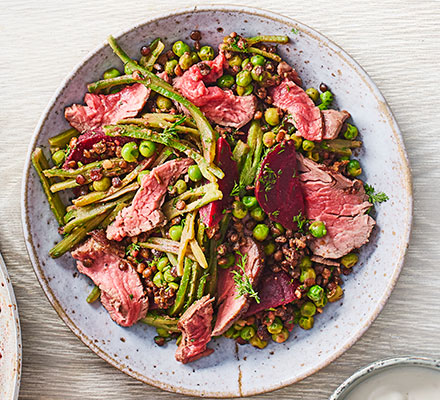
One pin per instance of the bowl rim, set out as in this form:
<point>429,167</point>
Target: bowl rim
<point>381,365</point>
<point>330,45</point>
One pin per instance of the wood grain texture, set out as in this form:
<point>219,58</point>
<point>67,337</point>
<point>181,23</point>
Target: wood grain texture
<point>397,42</point>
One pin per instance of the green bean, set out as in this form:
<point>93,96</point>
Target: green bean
<point>78,234</point>
<point>181,293</point>
<point>110,218</point>
<point>94,295</point>
<point>202,286</point>
<point>252,161</point>
<point>281,39</point>
<point>340,146</point>
<point>63,138</point>
<point>193,285</point>
<point>40,164</point>
<point>156,48</point>
<point>207,134</point>
<point>84,170</point>
<point>209,171</point>
<point>239,153</point>
<point>162,124</point>
<point>64,185</point>
<point>161,321</point>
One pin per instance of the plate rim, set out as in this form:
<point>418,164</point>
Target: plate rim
<point>17,326</point>
<point>391,121</point>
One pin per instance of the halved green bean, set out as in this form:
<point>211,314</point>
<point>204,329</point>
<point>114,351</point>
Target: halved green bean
<point>165,245</point>
<point>111,217</point>
<point>78,234</point>
<point>94,295</point>
<point>84,170</point>
<point>281,39</point>
<point>155,119</point>
<point>62,139</point>
<point>161,321</point>
<point>126,189</point>
<point>193,285</point>
<point>156,48</point>
<point>202,286</point>
<point>253,158</point>
<point>162,157</point>
<point>340,146</point>
<point>64,185</point>
<point>40,163</point>
<point>183,288</point>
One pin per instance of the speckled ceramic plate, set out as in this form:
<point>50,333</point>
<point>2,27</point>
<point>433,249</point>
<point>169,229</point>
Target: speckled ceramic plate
<point>231,370</point>
<point>10,338</point>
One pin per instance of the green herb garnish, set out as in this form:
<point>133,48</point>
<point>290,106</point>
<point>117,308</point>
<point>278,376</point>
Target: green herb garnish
<point>301,221</point>
<point>242,281</point>
<point>374,197</point>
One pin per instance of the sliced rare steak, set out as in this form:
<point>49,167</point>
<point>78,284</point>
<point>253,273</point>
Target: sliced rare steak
<point>104,109</point>
<point>306,117</point>
<point>277,187</point>
<point>338,202</point>
<point>333,121</point>
<point>231,306</point>
<point>122,293</point>
<point>284,70</point>
<point>219,106</point>
<point>212,213</point>
<point>274,289</point>
<point>195,324</point>
<point>144,214</point>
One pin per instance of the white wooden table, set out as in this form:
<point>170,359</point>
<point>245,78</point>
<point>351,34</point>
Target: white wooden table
<point>396,41</point>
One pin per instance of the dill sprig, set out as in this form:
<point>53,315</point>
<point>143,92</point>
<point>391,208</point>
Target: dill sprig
<point>236,189</point>
<point>373,196</point>
<point>301,221</point>
<point>133,247</point>
<point>242,280</point>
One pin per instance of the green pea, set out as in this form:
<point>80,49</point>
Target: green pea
<point>230,332</point>
<point>245,91</point>
<point>225,81</point>
<point>58,157</point>
<point>281,337</point>
<point>206,53</point>
<point>258,214</point>
<point>308,145</point>
<point>237,326</point>
<point>243,78</point>
<point>102,185</point>
<point>305,262</point>
<point>247,333</point>
<point>239,210</point>
<point>163,332</point>
<point>185,61</point>
<point>308,309</point>
<point>335,294</point>
<point>180,47</point>
<point>163,103</point>
<point>326,97</point>
<point>249,201</point>
<point>194,57</point>
<point>245,62</point>
<point>258,60</point>
<point>168,276</point>
<point>315,293</point>
<point>261,232</point>
<point>180,186</point>
<point>313,94</point>
<point>351,132</point>
<point>130,152</point>
<point>162,263</point>
<point>170,65</point>
<point>235,61</point>
<point>173,285</point>
<point>147,148</point>
<point>354,168</point>
<point>194,173</point>
<point>158,279</point>
<point>269,249</point>
<point>230,261</point>
<point>318,229</point>
<point>321,302</point>
<point>349,260</point>
<point>272,116</point>
<point>276,326</point>
<point>141,175</point>
<point>307,273</point>
<point>175,232</point>
<point>306,322</point>
<point>269,139</point>
<point>111,73</point>
<point>257,342</point>
<point>297,140</point>
<point>257,73</point>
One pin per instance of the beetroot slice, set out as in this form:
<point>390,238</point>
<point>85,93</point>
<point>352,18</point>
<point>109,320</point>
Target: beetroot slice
<point>278,189</point>
<point>274,290</point>
<point>212,213</point>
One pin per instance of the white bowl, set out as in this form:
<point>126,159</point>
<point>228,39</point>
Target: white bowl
<point>232,370</point>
